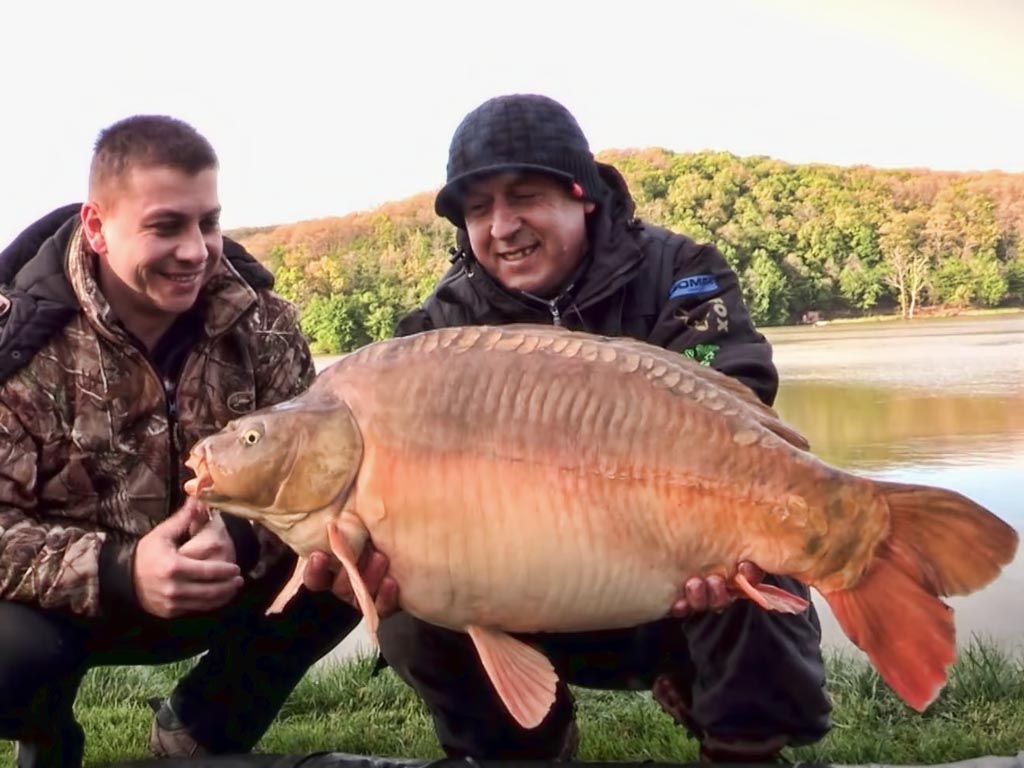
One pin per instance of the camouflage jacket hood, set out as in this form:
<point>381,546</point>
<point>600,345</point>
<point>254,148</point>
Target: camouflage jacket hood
<point>91,445</point>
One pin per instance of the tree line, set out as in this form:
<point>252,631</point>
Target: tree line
<point>807,240</point>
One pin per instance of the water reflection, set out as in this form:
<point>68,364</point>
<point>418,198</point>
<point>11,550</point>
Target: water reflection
<point>939,403</point>
<point>868,426</point>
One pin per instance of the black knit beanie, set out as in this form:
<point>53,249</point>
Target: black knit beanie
<point>517,132</point>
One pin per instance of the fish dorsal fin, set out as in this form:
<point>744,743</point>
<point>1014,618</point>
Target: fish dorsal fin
<point>522,675</point>
<point>620,346</point>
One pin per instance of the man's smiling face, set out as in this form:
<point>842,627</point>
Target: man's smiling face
<point>159,240</point>
<point>526,230</point>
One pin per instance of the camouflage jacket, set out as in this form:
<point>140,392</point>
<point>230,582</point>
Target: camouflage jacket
<point>91,445</point>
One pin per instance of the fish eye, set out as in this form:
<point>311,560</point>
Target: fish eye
<point>250,437</point>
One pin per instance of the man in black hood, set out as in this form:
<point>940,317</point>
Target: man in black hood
<point>548,235</point>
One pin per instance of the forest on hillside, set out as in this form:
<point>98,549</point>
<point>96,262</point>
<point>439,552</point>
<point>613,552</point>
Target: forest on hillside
<point>807,241</point>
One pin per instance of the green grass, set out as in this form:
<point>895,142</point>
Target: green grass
<point>343,708</point>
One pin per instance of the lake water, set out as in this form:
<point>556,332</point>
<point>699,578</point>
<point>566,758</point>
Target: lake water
<point>938,401</point>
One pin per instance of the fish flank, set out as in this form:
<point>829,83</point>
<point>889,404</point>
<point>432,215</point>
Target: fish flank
<point>577,487</point>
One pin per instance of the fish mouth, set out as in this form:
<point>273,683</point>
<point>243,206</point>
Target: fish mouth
<point>202,483</point>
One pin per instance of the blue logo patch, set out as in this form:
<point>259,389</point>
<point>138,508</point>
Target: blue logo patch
<point>694,285</point>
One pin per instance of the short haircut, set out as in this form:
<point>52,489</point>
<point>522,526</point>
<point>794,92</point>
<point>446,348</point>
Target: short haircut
<point>146,141</point>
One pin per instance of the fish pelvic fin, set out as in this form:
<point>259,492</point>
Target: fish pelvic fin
<point>341,549</point>
<point>523,676</point>
<point>770,597</point>
<point>289,590</point>
<point>939,543</point>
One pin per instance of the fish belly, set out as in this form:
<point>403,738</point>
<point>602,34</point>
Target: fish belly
<point>568,490</point>
<point>530,548</point>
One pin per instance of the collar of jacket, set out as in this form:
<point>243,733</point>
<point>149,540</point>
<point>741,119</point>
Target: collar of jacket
<point>226,296</point>
<point>613,258</point>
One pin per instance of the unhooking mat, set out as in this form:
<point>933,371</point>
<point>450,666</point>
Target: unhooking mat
<point>343,760</point>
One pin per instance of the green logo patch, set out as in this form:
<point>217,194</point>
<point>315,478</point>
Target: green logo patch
<point>702,353</point>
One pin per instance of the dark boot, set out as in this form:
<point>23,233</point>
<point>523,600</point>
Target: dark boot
<point>168,737</point>
<point>670,691</point>
<point>747,755</point>
<point>65,752</point>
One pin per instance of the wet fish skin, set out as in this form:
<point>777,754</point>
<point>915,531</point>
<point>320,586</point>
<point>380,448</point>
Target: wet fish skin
<point>527,478</point>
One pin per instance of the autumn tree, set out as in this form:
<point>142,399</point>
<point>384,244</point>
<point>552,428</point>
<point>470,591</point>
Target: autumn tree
<point>835,240</point>
<point>902,243</point>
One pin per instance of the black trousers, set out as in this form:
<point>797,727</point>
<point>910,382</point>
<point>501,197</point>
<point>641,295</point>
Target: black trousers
<point>753,679</point>
<point>228,700</point>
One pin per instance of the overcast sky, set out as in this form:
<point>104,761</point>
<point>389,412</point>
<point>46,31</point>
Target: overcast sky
<point>322,108</point>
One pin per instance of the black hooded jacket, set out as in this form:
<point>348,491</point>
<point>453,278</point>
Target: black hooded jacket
<point>636,280</point>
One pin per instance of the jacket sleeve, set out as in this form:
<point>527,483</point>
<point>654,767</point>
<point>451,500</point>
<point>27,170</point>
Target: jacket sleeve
<point>53,565</point>
<point>704,317</point>
<point>414,322</point>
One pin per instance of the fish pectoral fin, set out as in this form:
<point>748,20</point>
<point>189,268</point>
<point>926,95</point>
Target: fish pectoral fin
<point>522,675</point>
<point>770,597</point>
<point>289,590</point>
<point>342,551</point>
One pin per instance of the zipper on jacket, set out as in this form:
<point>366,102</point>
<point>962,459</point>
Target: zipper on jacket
<point>171,399</point>
<point>551,304</point>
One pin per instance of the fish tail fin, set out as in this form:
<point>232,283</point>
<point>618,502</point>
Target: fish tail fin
<point>939,543</point>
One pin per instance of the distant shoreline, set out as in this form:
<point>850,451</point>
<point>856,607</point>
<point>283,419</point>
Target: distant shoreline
<point>927,313</point>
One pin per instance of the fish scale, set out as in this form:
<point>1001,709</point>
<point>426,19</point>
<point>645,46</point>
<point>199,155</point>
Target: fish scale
<point>523,478</point>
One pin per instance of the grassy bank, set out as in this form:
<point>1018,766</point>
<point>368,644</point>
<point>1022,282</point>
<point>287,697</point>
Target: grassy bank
<point>981,712</point>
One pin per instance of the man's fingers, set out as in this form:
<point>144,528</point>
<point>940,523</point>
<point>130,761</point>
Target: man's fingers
<point>195,505</point>
<point>387,598</point>
<point>718,593</point>
<point>373,568</point>
<point>318,576</point>
<point>321,574</point>
<point>199,548</point>
<point>178,524</point>
<point>187,569</point>
<point>374,571</point>
<point>696,593</point>
<point>342,588</point>
<point>680,609</point>
<point>183,597</point>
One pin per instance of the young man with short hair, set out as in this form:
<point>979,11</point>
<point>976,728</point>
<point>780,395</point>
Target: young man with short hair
<point>130,328</point>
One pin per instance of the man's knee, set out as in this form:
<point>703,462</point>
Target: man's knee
<point>760,673</point>
<point>414,648</point>
<point>443,667</point>
<point>39,659</point>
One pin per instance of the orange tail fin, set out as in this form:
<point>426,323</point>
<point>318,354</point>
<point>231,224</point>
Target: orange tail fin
<point>940,543</point>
